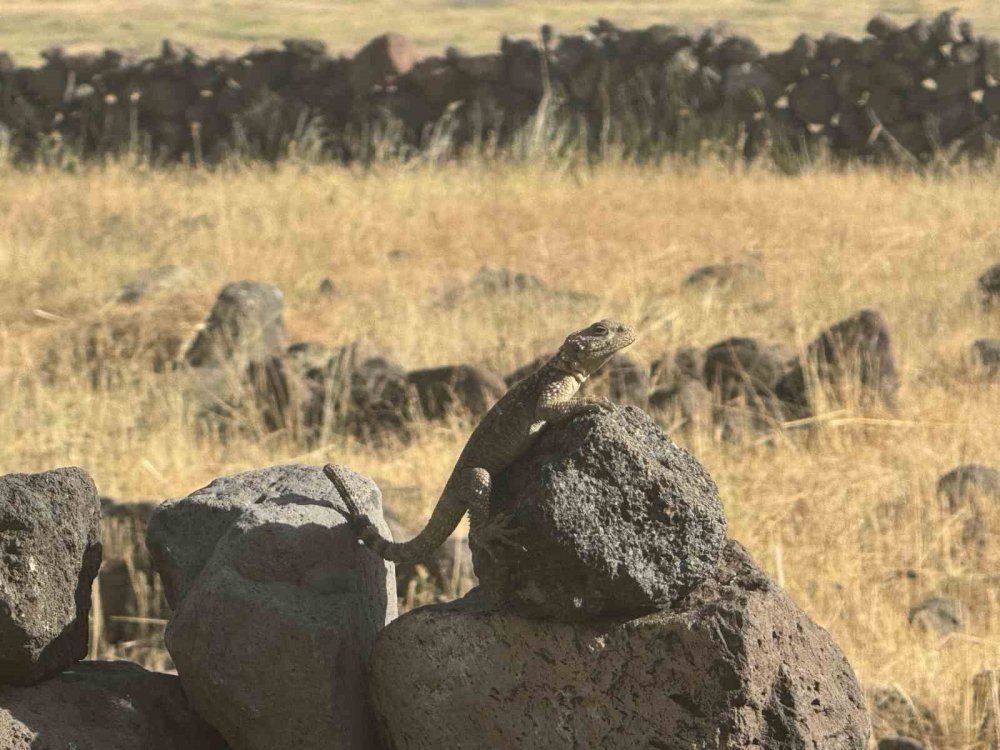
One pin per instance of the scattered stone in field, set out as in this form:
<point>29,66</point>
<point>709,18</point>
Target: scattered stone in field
<point>968,485</point>
<point>50,552</point>
<point>749,88</point>
<point>621,379</point>
<point>128,584</point>
<point>725,276</point>
<point>110,705</point>
<point>734,658</point>
<point>946,28</point>
<point>617,520</point>
<point>900,743</point>
<point>456,390</point>
<point>938,616</point>
<point>498,281</point>
<point>449,572</point>
<point>745,368</point>
<point>327,288</point>
<point>685,406</point>
<point>259,564</point>
<point>380,62</point>
<point>986,354</point>
<point>852,361</point>
<point>896,714</point>
<point>989,286</point>
<point>245,325</point>
<point>154,281</point>
<point>986,708</point>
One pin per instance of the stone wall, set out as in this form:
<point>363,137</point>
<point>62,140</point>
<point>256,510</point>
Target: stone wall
<point>902,93</point>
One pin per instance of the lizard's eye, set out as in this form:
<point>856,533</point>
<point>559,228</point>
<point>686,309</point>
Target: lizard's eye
<point>601,330</point>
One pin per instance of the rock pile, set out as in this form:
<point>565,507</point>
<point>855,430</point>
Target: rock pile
<point>626,620</point>
<point>899,93</point>
<point>50,552</point>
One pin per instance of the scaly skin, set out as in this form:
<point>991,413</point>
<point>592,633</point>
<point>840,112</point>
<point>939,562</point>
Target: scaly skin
<point>505,432</point>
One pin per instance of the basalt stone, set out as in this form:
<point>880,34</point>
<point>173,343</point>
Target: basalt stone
<point>616,520</point>
<point>734,664</point>
<point>245,325</point>
<point>50,552</point>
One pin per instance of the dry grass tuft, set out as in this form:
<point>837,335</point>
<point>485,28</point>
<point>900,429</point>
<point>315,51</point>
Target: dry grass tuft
<point>844,514</point>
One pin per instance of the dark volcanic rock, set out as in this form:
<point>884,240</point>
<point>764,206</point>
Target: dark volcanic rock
<point>101,705</point>
<point>245,325</point>
<point>735,664</point>
<point>50,551</point>
<point>456,389</point>
<point>852,361</point>
<point>744,367</point>
<point>617,519</point>
<point>259,564</point>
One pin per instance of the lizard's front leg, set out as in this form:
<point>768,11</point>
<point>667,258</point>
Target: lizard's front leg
<point>559,402</point>
<point>488,533</point>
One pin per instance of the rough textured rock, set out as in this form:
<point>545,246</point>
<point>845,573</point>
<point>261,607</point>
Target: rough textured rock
<point>734,665</point>
<point>938,616</point>
<point>617,519</point>
<point>245,325</point>
<point>258,563</point>
<point>852,361</point>
<point>50,551</point>
<point>99,705</point>
<point>896,714</point>
<point>456,390</point>
<point>968,485</point>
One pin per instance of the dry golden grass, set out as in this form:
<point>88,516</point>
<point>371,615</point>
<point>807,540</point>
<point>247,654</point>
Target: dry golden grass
<point>28,26</point>
<point>837,515</point>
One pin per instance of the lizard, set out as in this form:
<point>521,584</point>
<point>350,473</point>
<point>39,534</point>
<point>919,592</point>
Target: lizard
<point>506,431</point>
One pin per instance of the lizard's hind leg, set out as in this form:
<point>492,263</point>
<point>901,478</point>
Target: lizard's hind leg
<point>488,533</point>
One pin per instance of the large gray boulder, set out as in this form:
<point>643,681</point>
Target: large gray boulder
<point>616,520</point>
<point>245,325</point>
<point>276,607</point>
<point>100,705</point>
<point>50,551</point>
<point>735,664</point>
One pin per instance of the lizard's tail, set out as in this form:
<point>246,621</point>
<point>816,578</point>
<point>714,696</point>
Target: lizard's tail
<point>443,521</point>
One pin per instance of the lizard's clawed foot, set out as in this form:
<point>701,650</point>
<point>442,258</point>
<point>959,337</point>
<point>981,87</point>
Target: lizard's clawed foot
<point>501,532</point>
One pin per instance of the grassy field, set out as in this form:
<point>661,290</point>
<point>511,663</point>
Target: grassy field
<point>845,517</point>
<point>211,26</point>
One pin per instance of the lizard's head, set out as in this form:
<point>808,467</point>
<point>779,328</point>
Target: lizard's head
<point>585,351</point>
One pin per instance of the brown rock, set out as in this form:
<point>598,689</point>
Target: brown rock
<point>381,61</point>
<point>456,390</point>
<point>814,100</point>
<point>734,664</point>
<point>103,705</point>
